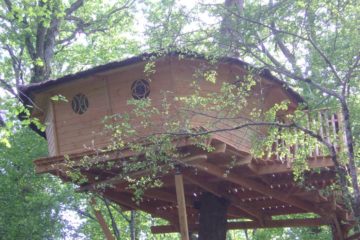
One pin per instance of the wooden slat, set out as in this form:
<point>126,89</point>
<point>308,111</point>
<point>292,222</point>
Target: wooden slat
<point>333,125</point>
<point>327,126</point>
<point>55,138</point>
<point>108,96</point>
<point>308,125</point>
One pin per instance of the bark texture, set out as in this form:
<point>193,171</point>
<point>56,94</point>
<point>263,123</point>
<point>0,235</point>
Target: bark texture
<point>213,220</point>
<point>352,168</point>
<point>229,36</point>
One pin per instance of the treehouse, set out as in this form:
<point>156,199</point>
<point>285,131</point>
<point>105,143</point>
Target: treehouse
<point>256,191</point>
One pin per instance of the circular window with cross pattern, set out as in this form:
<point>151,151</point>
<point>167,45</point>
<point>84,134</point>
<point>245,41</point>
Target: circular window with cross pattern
<point>140,89</point>
<point>79,103</point>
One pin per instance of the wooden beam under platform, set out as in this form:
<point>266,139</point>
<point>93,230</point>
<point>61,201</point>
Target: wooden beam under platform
<point>260,179</point>
<point>119,179</point>
<point>256,214</point>
<point>258,187</point>
<point>125,199</point>
<point>310,222</point>
<point>272,167</point>
<point>50,164</point>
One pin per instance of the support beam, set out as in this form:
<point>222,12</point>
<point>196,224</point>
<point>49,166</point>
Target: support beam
<point>180,195</point>
<point>120,179</point>
<point>256,214</point>
<point>126,200</point>
<point>48,164</point>
<point>166,197</point>
<point>311,222</point>
<point>258,187</point>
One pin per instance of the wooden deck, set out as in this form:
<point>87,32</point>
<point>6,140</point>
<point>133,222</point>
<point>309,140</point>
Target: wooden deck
<point>259,190</point>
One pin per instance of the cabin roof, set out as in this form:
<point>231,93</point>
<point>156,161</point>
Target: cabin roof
<point>26,91</point>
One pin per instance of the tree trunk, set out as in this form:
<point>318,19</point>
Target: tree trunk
<point>229,38</point>
<point>213,220</point>
<point>352,165</point>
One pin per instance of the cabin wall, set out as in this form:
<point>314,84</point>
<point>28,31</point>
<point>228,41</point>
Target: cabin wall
<point>109,93</point>
<point>75,131</point>
<point>264,95</point>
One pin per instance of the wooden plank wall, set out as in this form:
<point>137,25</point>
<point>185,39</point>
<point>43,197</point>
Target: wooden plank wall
<point>75,131</point>
<point>108,94</point>
<point>263,96</point>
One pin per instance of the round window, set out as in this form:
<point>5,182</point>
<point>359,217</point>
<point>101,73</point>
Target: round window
<point>140,89</point>
<point>79,103</point>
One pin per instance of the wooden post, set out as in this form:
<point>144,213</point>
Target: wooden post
<point>102,221</point>
<point>180,195</point>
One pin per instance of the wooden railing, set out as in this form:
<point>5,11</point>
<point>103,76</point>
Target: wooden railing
<point>326,123</point>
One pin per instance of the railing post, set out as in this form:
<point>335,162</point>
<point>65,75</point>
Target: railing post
<point>333,124</point>
<point>342,137</point>
<point>308,125</point>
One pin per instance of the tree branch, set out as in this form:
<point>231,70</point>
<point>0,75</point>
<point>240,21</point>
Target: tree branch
<point>121,213</point>
<point>351,69</point>
<point>8,87</point>
<point>73,7</point>
<point>286,52</point>
<point>16,65</point>
<point>325,58</point>
<point>282,70</point>
<point>85,214</point>
<point>113,222</point>
<point>8,5</point>
<point>307,39</point>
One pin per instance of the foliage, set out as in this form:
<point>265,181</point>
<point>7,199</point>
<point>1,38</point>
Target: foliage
<point>311,45</point>
<point>31,205</point>
<point>122,218</point>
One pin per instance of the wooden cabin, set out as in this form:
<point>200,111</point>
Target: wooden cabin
<point>258,190</point>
